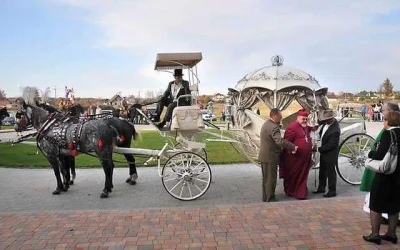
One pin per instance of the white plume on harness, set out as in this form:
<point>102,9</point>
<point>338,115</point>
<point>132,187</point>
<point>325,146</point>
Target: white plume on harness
<point>29,94</point>
<point>45,95</point>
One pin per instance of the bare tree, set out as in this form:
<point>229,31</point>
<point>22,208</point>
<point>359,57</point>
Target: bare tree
<point>159,92</point>
<point>149,94</point>
<point>3,95</point>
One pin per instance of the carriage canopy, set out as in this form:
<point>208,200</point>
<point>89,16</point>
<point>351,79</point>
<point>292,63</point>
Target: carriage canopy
<point>277,86</point>
<point>170,61</point>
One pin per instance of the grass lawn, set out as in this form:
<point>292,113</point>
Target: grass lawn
<point>6,127</point>
<point>22,155</point>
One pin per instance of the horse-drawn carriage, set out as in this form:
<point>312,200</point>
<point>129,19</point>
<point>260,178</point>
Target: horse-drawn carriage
<point>186,175</point>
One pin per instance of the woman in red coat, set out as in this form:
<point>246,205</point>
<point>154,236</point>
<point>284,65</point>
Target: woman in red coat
<point>294,168</point>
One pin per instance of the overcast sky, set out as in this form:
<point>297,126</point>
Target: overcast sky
<point>101,47</point>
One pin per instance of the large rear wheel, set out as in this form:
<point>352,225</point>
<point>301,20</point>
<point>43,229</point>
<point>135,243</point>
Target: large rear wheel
<point>352,155</point>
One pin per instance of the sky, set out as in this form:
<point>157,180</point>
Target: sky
<point>102,47</point>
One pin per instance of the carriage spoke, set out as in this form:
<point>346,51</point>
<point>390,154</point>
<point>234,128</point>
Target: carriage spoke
<point>190,191</point>
<point>197,179</point>
<point>190,162</point>
<point>173,179</point>
<point>175,185</point>
<point>175,166</point>
<point>197,166</point>
<point>349,148</point>
<point>366,144</point>
<point>181,190</point>
<point>198,187</point>
<point>201,172</point>
<point>345,155</point>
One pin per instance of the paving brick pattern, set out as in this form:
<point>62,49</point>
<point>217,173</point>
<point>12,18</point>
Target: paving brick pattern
<point>314,224</point>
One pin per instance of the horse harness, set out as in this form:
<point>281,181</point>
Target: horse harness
<point>59,126</point>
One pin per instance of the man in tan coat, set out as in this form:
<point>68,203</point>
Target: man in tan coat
<point>271,144</point>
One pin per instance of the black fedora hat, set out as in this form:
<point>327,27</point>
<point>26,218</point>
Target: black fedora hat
<point>178,72</point>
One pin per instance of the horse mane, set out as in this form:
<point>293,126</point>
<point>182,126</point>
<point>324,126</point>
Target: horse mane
<point>47,107</point>
<point>79,107</point>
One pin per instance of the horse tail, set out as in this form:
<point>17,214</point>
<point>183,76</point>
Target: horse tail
<point>136,135</point>
<point>115,131</point>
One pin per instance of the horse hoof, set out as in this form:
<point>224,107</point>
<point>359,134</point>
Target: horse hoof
<point>56,192</point>
<point>132,183</point>
<point>71,182</point>
<point>104,195</point>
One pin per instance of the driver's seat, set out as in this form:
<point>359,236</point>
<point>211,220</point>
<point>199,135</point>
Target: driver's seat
<point>186,118</point>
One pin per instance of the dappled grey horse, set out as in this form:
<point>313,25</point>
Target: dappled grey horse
<point>126,131</point>
<point>57,138</point>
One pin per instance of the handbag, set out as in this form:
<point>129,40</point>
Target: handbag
<point>389,163</point>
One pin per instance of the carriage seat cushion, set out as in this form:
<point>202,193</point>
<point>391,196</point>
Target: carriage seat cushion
<point>187,118</point>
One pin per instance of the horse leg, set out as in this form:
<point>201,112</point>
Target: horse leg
<point>72,165</point>
<point>56,168</point>
<point>65,166</point>
<point>133,176</point>
<point>108,166</point>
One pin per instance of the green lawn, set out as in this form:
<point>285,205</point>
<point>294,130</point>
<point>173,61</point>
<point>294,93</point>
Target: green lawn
<point>22,155</point>
<point>6,127</point>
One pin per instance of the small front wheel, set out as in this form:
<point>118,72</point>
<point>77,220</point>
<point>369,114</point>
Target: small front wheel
<point>186,176</point>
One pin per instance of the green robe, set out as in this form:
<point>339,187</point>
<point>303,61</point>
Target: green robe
<point>369,175</point>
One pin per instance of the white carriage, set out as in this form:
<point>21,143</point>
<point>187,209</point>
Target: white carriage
<point>277,86</point>
<point>186,174</point>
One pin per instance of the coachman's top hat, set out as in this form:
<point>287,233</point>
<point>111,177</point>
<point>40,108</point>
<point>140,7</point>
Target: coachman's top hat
<point>178,72</point>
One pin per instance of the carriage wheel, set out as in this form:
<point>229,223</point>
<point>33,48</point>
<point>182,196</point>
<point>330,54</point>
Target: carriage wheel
<point>202,152</point>
<point>352,156</point>
<point>186,176</point>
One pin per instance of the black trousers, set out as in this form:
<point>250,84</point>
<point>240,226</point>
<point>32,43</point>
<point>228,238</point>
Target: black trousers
<point>327,171</point>
<point>170,104</point>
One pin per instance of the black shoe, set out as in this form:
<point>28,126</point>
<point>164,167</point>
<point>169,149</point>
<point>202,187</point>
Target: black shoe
<point>375,239</point>
<point>391,238</point>
<point>319,191</point>
<point>155,119</point>
<point>272,199</point>
<point>161,125</point>
<point>329,195</point>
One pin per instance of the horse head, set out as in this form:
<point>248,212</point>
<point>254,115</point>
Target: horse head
<point>36,115</point>
<point>4,113</point>
<point>76,109</point>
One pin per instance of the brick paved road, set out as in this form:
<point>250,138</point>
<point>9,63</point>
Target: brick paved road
<point>314,224</point>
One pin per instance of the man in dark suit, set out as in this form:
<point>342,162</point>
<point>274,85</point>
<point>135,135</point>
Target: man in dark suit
<point>330,136</point>
<point>170,97</point>
<point>271,143</point>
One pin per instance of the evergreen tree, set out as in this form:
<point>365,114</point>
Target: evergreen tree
<point>386,88</point>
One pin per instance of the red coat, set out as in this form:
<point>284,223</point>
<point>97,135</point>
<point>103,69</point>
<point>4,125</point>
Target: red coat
<point>294,168</point>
